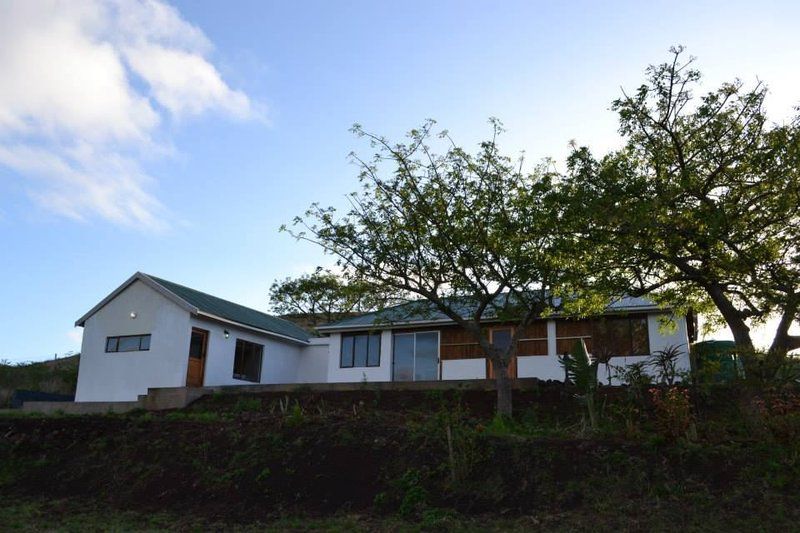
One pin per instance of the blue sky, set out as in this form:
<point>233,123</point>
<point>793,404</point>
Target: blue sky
<point>176,138</point>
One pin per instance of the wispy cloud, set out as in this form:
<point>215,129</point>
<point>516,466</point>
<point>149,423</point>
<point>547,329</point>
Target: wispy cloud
<point>86,88</point>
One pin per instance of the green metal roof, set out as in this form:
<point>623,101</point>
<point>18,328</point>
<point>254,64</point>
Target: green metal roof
<point>240,314</point>
<point>423,311</point>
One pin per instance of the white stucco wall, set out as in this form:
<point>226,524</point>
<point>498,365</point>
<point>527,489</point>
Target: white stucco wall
<point>540,366</point>
<point>123,376</point>
<point>662,337</point>
<point>279,363</point>
<point>312,364</point>
<point>464,369</point>
<point>336,374</point>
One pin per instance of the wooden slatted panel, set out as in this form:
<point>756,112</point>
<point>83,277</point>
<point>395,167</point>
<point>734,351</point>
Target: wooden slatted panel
<point>536,330</point>
<point>537,347</point>
<point>536,335</point>
<point>456,335</point>
<point>456,343</point>
<point>460,351</point>
<point>573,328</point>
<point>565,345</point>
<point>568,331</point>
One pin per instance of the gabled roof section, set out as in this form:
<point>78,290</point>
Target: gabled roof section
<point>423,312</point>
<point>147,281</point>
<point>200,303</point>
<point>218,308</point>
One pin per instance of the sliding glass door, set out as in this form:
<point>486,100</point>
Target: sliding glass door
<point>415,356</point>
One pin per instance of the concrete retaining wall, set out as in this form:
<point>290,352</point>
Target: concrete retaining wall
<point>179,397</point>
<point>79,408</point>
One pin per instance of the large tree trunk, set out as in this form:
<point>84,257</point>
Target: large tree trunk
<point>739,328</point>
<point>732,316</point>
<point>505,406</point>
<point>783,343</point>
<point>500,361</point>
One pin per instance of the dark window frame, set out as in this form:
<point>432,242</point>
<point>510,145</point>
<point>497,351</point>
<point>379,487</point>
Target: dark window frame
<point>116,339</point>
<point>369,335</point>
<point>243,376</point>
<point>601,333</point>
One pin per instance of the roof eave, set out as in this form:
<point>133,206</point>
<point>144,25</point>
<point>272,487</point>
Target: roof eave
<point>251,328</point>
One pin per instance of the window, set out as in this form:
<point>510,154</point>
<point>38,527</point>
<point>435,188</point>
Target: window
<point>247,361</point>
<point>621,336</point>
<point>416,356</point>
<point>501,338</point>
<point>197,344</point>
<point>128,343</point>
<point>360,350</point>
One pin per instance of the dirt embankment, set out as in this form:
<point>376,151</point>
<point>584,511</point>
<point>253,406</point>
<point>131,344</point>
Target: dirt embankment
<point>57,376</point>
<point>247,458</point>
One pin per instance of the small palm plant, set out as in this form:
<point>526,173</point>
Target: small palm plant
<point>665,364</point>
<point>581,370</point>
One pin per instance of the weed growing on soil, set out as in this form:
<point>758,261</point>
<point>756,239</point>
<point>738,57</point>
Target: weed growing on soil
<point>244,405</point>
<point>296,415</point>
<point>414,497</point>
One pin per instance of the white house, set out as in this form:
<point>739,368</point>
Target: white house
<point>414,345</point>
<point>151,333</point>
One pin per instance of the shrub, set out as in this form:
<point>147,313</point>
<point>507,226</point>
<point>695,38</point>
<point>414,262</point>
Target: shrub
<point>414,496</point>
<point>779,412</point>
<point>673,411</point>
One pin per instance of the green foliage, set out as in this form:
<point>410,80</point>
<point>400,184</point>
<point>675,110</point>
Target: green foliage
<point>699,208</point>
<point>501,426</point>
<point>296,415</point>
<point>199,416</point>
<point>324,297</point>
<point>244,404</point>
<point>472,235</point>
<point>414,497</point>
<point>581,371</point>
<point>665,364</point>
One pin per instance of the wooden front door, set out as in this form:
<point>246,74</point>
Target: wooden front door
<point>197,358</point>
<point>501,338</point>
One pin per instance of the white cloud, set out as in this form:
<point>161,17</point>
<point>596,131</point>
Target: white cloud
<point>185,83</point>
<point>85,89</point>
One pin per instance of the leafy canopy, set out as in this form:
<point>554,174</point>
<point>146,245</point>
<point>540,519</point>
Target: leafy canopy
<point>700,205</point>
<point>450,227</point>
<point>323,297</point>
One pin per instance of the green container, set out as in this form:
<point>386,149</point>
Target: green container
<point>716,361</point>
